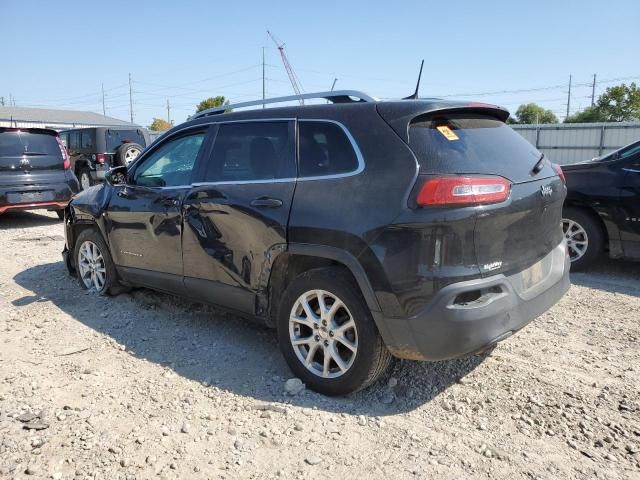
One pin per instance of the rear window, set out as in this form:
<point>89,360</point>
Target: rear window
<point>464,143</point>
<point>325,150</point>
<point>115,138</point>
<point>16,143</point>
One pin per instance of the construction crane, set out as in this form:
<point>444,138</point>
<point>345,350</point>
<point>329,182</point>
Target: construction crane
<point>293,78</point>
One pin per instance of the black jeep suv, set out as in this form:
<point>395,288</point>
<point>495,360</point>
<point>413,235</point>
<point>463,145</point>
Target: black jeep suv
<point>95,150</point>
<point>360,229</point>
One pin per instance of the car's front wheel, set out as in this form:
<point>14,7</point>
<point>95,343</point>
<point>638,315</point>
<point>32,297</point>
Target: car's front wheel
<point>94,265</point>
<point>327,335</point>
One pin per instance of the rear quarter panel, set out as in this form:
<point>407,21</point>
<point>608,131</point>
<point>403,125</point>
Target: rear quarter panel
<point>351,212</point>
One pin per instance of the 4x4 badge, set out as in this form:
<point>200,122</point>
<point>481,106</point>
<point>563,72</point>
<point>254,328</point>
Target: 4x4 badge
<point>546,190</point>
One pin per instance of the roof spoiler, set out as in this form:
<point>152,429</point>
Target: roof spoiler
<point>400,115</point>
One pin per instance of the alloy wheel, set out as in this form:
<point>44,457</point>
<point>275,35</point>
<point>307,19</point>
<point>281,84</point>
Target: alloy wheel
<point>85,180</point>
<point>91,266</point>
<point>323,334</point>
<point>130,155</point>
<point>577,239</point>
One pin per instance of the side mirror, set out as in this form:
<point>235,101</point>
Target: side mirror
<point>116,175</point>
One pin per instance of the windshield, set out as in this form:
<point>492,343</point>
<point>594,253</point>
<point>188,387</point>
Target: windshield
<point>624,152</point>
<point>16,143</point>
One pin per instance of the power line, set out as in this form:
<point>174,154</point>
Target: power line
<point>535,89</point>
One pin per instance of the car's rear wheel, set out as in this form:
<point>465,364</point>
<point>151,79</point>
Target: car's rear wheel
<point>327,335</point>
<point>84,177</point>
<point>94,265</point>
<point>584,237</point>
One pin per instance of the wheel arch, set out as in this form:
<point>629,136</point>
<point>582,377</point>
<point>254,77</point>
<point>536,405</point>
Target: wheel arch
<point>299,258</point>
<point>75,228</point>
<point>79,165</point>
<point>606,231</point>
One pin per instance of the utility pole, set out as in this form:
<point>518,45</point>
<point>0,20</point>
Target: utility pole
<point>168,112</point>
<point>569,97</point>
<point>263,84</point>
<point>104,110</point>
<point>2,101</point>
<point>130,100</point>
<point>593,90</point>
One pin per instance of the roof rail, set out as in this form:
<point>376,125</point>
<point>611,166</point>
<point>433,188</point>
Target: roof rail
<point>337,96</point>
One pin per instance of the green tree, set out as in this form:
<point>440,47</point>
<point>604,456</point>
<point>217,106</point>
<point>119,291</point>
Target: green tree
<point>620,103</point>
<point>212,102</point>
<point>532,113</point>
<point>588,115</point>
<point>159,125</point>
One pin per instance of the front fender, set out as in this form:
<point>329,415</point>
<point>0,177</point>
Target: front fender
<point>86,210</point>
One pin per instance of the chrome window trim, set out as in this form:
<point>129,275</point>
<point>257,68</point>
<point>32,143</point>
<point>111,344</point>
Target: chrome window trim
<point>354,145</point>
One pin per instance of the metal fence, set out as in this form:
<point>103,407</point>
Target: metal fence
<point>575,142</point>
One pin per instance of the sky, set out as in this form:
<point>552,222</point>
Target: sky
<point>60,54</point>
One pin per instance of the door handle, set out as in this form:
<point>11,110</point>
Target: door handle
<point>266,202</point>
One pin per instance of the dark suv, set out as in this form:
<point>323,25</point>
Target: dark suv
<point>95,150</point>
<point>360,229</point>
<point>34,170</point>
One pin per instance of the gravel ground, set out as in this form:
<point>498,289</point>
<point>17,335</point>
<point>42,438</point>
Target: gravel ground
<point>146,386</point>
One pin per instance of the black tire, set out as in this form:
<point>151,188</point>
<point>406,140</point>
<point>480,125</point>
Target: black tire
<point>371,357</point>
<point>122,150</point>
<point>84,178</point>
<point>594,235</point>
<point>111,281</point>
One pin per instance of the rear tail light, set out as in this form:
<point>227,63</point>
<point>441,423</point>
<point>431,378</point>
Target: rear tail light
<point>100,158</point>
<point>558,170</point>
<point>460,190</point>
<point>66,161</point>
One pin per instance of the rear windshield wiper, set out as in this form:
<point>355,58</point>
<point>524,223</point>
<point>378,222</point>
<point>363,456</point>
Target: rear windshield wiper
<point>538,166</point>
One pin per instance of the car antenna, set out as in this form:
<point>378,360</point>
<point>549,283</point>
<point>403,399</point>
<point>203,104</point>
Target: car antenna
<point>414,96</point>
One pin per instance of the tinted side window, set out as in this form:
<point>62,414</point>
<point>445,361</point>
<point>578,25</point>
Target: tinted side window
<point>171,164</point>
<point>87,140</point>
<point>251,151</point>
<point>74,140</point>
<point>325,150</point>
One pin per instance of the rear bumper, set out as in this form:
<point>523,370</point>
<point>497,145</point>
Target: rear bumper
<point>456,323</point>
<point>38,195</point>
